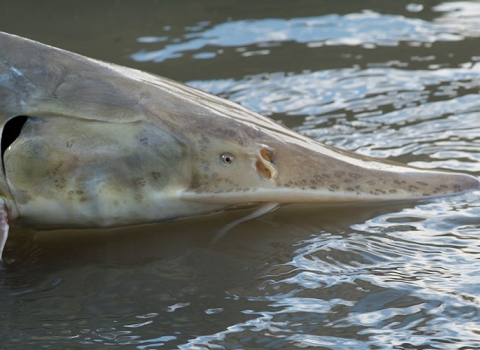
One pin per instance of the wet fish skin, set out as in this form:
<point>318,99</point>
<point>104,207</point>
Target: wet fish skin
<point>92,144</point>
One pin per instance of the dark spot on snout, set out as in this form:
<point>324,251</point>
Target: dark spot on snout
<point>69,143</point>
<point>140,181</point>
<point>156,175</point>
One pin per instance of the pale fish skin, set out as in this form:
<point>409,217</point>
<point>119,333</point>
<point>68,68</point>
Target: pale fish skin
<point>100,145</point>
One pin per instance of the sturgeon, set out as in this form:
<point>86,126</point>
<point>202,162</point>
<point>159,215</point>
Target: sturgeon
<point>89,144</point>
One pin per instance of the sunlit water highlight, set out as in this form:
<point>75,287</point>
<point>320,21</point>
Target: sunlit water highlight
<point>402,86</point>
<point>368,29</point>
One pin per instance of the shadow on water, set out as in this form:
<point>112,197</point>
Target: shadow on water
<point>161,279</point>
<point>256,239</point>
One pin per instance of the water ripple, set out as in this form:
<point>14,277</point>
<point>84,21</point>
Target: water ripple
<point>404,278</point>
<point>368,29</point>
<point>399,82</point>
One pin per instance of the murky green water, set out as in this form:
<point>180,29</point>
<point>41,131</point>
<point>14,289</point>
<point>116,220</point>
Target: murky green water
<point>391,79</point>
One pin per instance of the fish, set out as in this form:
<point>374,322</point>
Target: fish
<point>90,144</point>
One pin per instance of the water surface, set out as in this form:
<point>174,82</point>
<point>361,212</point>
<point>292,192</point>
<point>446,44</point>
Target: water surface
<point>390,79</point>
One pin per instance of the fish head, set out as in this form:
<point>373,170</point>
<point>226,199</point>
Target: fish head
<point>244,162</point>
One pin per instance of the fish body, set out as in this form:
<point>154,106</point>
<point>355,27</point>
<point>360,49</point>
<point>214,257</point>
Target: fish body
<point>90,144</point>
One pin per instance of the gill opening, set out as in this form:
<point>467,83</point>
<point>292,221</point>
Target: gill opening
<point>10,133</point>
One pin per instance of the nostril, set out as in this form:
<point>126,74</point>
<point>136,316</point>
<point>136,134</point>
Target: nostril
<point>264,164</point>
<point>266,154</point>
<point>263,170</point>
<point>11,131</point>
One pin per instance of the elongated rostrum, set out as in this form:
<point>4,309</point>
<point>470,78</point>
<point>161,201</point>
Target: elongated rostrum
<point>90,144</point>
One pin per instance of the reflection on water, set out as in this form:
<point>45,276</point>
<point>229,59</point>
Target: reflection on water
<point>392,81</point>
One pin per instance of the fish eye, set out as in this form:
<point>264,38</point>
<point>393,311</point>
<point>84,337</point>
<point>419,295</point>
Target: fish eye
<point>227,158</point>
